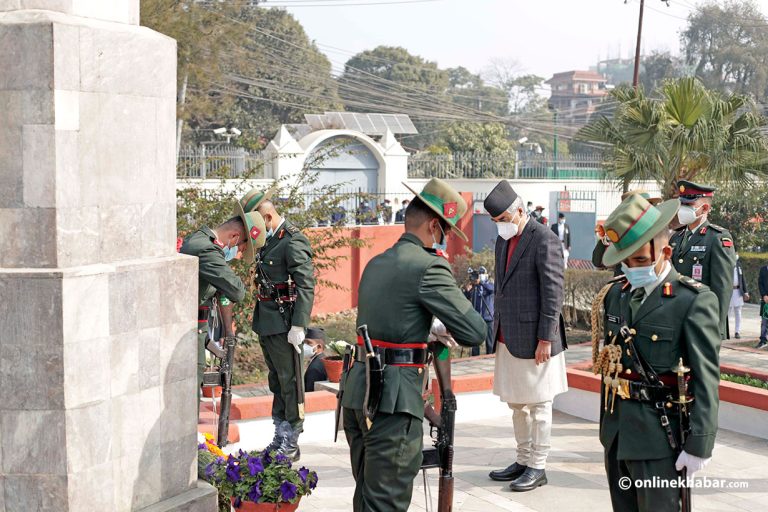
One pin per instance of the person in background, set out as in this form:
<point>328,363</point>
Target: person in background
<point>739,295</point>
<point>537,213</point>
<point>529,208</point>
<point>762,284</point>
<point>314,347</point>
<point>563,232</point>
<point>385,212</point>
<point>479,291</point>
<point>400,215</point>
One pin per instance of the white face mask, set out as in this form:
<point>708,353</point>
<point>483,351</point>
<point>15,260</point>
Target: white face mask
<point>507,230</point>
<point>687,215</point>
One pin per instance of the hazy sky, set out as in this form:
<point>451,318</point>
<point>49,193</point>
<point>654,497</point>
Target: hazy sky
<point>544,36</point>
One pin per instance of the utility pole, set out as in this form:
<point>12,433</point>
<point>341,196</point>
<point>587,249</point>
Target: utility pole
<point>636,77</point>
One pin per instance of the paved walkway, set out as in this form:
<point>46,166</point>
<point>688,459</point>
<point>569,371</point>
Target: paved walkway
<point>577,481</point>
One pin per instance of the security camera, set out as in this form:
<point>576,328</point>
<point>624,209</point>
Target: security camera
<point>220,131</point>
<point>523,140</point>
<point>235,131</point>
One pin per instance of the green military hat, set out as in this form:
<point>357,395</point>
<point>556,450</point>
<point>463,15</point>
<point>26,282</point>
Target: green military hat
<point>255,231</point>
<point>690,191</point>
<point>254,197</point>
<point>633,224</point>
<point>444,201</point>
<point>641,191</point>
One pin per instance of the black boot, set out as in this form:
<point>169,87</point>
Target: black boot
<point>529,480</point>
<point>289,441</point>
<point>508,473</point>
<point>276,438</point>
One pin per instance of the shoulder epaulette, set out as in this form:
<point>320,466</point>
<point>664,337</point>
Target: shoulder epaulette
<point>717,228</point>
<point>290,228</point>
<point>692,284</point>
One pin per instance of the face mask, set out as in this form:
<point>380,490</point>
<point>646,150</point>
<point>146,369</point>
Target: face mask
<point>230,253</point>
<point>561,221</point>
<point>483,278</point>
<point>440,246</point>
<point>640,277</point>
<point>686,215</point>
<point>507,229</point>
<point>309,351</point>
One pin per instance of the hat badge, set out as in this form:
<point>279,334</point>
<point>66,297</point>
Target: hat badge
<point>255,232</point>
<point>682,188</point>
<point>449,210</point>
<point>612,235</point>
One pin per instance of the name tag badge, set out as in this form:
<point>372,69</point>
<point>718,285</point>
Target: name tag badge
<point>699,248</point>
<point>614,319</point>
<point>698,272</point>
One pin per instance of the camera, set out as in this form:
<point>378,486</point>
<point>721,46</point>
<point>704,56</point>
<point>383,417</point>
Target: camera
<point>473,274</point>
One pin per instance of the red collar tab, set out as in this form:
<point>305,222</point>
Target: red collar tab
<point>703,231</point>
<point>442,253</point>
<point>217,243</point>
<point>667,291</point>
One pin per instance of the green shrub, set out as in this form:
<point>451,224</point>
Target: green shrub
<point>750,264</point>
<point>745,379</point>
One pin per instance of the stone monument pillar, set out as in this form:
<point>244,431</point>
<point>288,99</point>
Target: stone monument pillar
<point>97,311</point>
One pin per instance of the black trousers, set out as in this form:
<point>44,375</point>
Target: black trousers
<point>488,340</point>
<point>626,497</point>
<point>385,459</point>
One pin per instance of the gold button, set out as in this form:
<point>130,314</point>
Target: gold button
<point>654,337</point>
<point>610,333</point>
<point>629,353</point>
<point>669,405</point>
<point>420,370</point>
<point>632,332</point>
<point>629,371</point>
<point>680,260</point>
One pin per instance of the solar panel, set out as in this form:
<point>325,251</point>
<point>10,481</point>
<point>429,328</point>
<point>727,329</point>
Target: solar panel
<point>369,124</point>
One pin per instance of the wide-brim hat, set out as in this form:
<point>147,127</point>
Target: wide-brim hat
<point>633,224</point>
<point>647,195</point>
<point>255,232</point>
<point>443,199</point>
<point>251,201</point>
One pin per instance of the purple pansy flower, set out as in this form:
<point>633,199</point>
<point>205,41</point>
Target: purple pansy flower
<point>303,473</point>
<point>287,491</point>
<point>238,502</point>
<point>255,466</point>
<point>282,459</point>
<point>202,446</point>
<point>255,493</point>
<point>313,481</point>
<point>233,472</point>
<point>209,470</point>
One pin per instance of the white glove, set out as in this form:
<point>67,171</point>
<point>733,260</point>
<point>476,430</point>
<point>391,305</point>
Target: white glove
<point>296,337</point>
<point>692,462</point>
<point>438,332</point>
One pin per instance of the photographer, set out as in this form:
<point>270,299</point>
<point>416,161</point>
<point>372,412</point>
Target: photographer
<point>479,291</point>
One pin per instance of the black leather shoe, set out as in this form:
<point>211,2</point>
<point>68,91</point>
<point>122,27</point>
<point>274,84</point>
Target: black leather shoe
<point>529,480</point>
<point>762,344</point>
<point>738,336</point>
<point>507,474</point>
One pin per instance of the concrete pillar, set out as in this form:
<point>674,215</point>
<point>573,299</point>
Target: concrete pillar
<point>395,170</point>
<point>97,342</point>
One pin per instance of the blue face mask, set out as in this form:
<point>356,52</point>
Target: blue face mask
<point>230,253</point>
<point>442,246</point>
<point>640,277</point>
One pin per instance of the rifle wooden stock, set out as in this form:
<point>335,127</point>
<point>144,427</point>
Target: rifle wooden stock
<point>446,426</point>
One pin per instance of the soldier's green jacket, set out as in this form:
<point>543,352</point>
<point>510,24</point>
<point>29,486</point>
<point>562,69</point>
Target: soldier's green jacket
<point>711,246</point>
<point>286,253</point>
<point>400,291</point>
<point>668,328</point>
<point>214,273</point>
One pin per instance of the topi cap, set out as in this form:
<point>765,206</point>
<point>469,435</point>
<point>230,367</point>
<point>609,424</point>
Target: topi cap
<point>500,198</point>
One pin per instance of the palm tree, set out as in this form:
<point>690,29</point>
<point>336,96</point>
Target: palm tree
<point>687,132</point>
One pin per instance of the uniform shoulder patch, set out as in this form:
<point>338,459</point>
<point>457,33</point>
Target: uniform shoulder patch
<point>692,284</point>
<point>717,228</point>
<point>727,242</point>
<point>290,228</point>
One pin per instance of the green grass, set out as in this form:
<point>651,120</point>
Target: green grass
<point>745,379</point>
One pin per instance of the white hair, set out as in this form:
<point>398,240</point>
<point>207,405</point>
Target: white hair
<point>516,204</point>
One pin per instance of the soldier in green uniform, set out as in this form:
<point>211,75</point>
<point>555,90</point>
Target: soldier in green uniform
<point>285,276</point>
<point>702,250</point>
<point>400,293</point>
<point>218,285</point>
<point>653,318</point>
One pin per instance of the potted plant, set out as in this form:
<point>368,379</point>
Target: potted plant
<point>333,363</point>
<point>259,481</point>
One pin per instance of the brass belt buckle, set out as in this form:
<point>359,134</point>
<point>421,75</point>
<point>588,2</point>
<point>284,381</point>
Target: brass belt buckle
<point>623,390</point>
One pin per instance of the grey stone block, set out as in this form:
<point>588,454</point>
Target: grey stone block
<point>66,57</point>
<point>24,493</point>
<point>151,312</point>
<point>124,296</point>
<point>33,442</point>
<point>92,490</point>
<point>201,498</point>
<point>85,299</point>
<point>24,247</point>
<point>87,375</point>
<point>137,480</point>
<point>179,465</point>
<point>179,418</point>
<point>124,364</point>
<point>27,299</point>
<point>119,230</point>
<point>179,284</point>
<point>26,54</point>
<point>39,160</point>
<point>178,352</point>
<point>158,233</point>
<point>149,342</point>
<point>88,437</point>
<point>133,417</point>
<point>68,171</point>
<point>79,236</point>
<point>32,376</point>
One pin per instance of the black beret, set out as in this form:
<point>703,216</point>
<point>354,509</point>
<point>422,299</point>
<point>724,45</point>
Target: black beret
<point>316,333</point>
<point>501,197</point>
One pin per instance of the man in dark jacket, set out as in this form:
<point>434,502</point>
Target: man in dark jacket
<point>530,364</point>
<point>314,346</point>
<point>762,284</point>
<point>563,232</point>
<point>479,291</point>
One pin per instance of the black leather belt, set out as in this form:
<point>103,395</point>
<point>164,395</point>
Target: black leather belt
<point>644,392</point>
<point>398,356</point>
<point>203,313</point>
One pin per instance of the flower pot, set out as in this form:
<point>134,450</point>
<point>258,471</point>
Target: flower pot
<point>249,506</point>
<point>212,391</point>
<point>333,368</point>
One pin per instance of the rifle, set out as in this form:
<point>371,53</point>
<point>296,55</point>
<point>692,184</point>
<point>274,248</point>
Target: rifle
<point>444,424</point>
<point>225,372</point>
<point>683,411</point>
